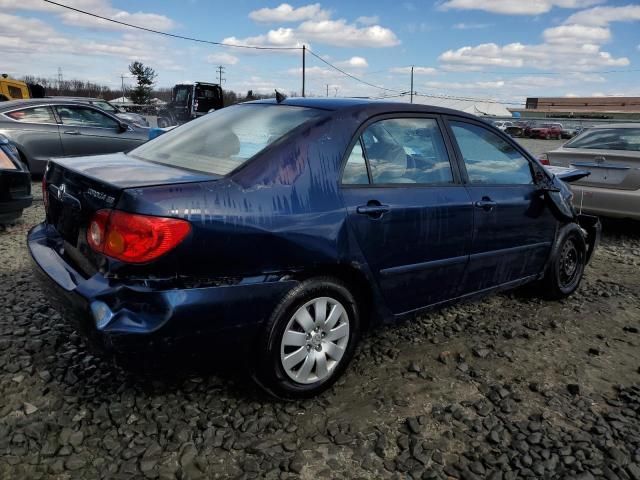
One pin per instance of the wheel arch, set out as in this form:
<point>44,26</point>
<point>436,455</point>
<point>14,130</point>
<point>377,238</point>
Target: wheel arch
<point>357,281</point>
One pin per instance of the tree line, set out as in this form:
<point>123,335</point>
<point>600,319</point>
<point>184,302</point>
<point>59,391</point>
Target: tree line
<point>141,94</point>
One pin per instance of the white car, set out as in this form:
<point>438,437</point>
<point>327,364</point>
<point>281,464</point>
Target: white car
<point>502,124</point>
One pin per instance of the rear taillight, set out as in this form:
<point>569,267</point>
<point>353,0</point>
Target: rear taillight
<point>134,238</point>
<point>544,159</point>
<point>5,162</point>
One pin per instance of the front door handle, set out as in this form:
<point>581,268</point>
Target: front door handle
<point>486,204</point>
<point>599,159</point>
<point>72,132</point>
<point>375,211</point>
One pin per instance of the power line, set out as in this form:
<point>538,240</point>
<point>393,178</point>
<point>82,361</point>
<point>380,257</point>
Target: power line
<point>353,77</point>
<point>182,37</point>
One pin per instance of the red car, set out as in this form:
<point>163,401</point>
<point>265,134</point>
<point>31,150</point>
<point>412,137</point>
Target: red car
<point>547,131</point>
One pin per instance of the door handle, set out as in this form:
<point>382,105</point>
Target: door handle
<point>486,204</point>
<point>375,211</point>
<point>72,132</point>
<point>599,158</point>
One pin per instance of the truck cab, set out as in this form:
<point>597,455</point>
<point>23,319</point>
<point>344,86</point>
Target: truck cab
<point>11,89</point>
<point>190,101</point>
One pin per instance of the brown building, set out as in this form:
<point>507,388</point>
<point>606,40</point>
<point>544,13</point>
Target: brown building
<point>622,108</point>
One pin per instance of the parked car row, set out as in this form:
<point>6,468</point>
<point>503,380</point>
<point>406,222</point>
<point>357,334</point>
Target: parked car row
<point>546,131</point>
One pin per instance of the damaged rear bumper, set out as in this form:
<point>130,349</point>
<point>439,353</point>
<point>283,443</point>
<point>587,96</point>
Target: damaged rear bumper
<point>119,318</point>
<point>592,228</point>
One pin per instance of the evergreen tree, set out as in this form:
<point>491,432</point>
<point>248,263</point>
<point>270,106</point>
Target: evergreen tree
<point>146,78</point>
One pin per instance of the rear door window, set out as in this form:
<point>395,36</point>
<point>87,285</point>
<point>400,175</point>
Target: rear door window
<point>402,151</point>
<point>488,158</point>
<point>84,117</point>
<point>33,115</point>
<point>608,139</point>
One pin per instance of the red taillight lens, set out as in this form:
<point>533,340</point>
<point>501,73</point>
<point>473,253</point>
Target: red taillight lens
<point>544,159</point>
<point>134,238</point>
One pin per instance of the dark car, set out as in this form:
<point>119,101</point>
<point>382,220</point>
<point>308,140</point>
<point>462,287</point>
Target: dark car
<point>15,183</point>
<point>45,127</point>
<point>280,231</point>
<point>129,117</point>
<point>518,129</point>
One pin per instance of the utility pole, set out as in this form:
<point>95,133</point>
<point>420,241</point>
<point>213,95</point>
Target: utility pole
<point>411,83</point>
<point>59,78</point>
<point>304,51</point>
<point>220,72</point>
<point>327,89</point>
<point>122,78</point>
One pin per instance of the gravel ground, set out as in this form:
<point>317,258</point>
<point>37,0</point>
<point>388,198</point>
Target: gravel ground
<point>507,387</point>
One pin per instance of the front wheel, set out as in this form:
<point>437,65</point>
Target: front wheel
<point>567,264</point>
<point>309,339</point>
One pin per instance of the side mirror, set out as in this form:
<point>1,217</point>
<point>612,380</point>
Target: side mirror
<point>123,127</point>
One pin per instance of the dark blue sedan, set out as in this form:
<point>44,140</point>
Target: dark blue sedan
<point>283,230</point>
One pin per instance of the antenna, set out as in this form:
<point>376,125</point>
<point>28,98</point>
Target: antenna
<point>280,97</point>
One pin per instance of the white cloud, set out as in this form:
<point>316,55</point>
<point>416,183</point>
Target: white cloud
<point>603,16</point>
<point>416,70</point>
<point>99,7</point>
<point>466,85</point>
<point>286,13</point>
<point>222,58</point>
<point>338,33</point>
<point>516,7</point>
<point>543,56</point>
<point>578,34</point>
<point>354,62</point>
<point>471,26</point>
<point>366,20</point>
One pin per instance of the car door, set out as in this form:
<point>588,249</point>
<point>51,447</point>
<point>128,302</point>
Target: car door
<point>86,130</point>
<point>407,210</point>
<point>513,227</point>
<point>35,131</point>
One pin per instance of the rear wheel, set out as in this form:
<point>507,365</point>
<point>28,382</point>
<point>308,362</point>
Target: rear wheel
<point>309,340</point>
<point>566,268</point>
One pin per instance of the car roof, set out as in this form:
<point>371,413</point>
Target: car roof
<point>79,99</point>
<point>34,102</point>
<point>376,106</point>
<point>617,125</point>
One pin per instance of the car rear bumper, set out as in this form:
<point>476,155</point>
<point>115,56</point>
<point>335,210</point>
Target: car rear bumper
<point>607,202</point>
<point>117,317</point>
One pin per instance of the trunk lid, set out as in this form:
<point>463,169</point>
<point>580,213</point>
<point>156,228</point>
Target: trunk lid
<point>616,169</point>
<point>78,187</point>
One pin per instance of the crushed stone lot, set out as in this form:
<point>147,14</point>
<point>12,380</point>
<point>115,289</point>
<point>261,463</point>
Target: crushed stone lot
<point>507,387</point>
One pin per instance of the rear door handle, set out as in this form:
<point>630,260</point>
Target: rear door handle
<point>486,204</point>
<point>375,211</point>
<point>72,132</point>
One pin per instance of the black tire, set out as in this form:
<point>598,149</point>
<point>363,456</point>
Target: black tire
<point>270,373</point>
<point>566,267</point>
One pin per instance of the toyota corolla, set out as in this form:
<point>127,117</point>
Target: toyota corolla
<point>283,229</point>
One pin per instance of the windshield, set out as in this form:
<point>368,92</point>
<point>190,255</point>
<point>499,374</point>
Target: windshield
<point>608,139</point>
<point>223,140</point>
<point>106,106</point>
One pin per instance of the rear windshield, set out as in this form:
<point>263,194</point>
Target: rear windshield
<point>223,140</point>
<point>608,139</point>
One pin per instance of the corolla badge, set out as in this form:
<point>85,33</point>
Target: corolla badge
<point>62,189</point>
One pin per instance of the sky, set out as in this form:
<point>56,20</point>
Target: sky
<point>504,50</point>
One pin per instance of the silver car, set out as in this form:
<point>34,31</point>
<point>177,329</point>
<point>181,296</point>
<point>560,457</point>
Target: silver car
<point>611,153</point>
<point>44,128</point>
<point>129,117</point>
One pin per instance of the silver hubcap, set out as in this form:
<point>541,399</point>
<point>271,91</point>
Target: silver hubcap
<point>315,340</point>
